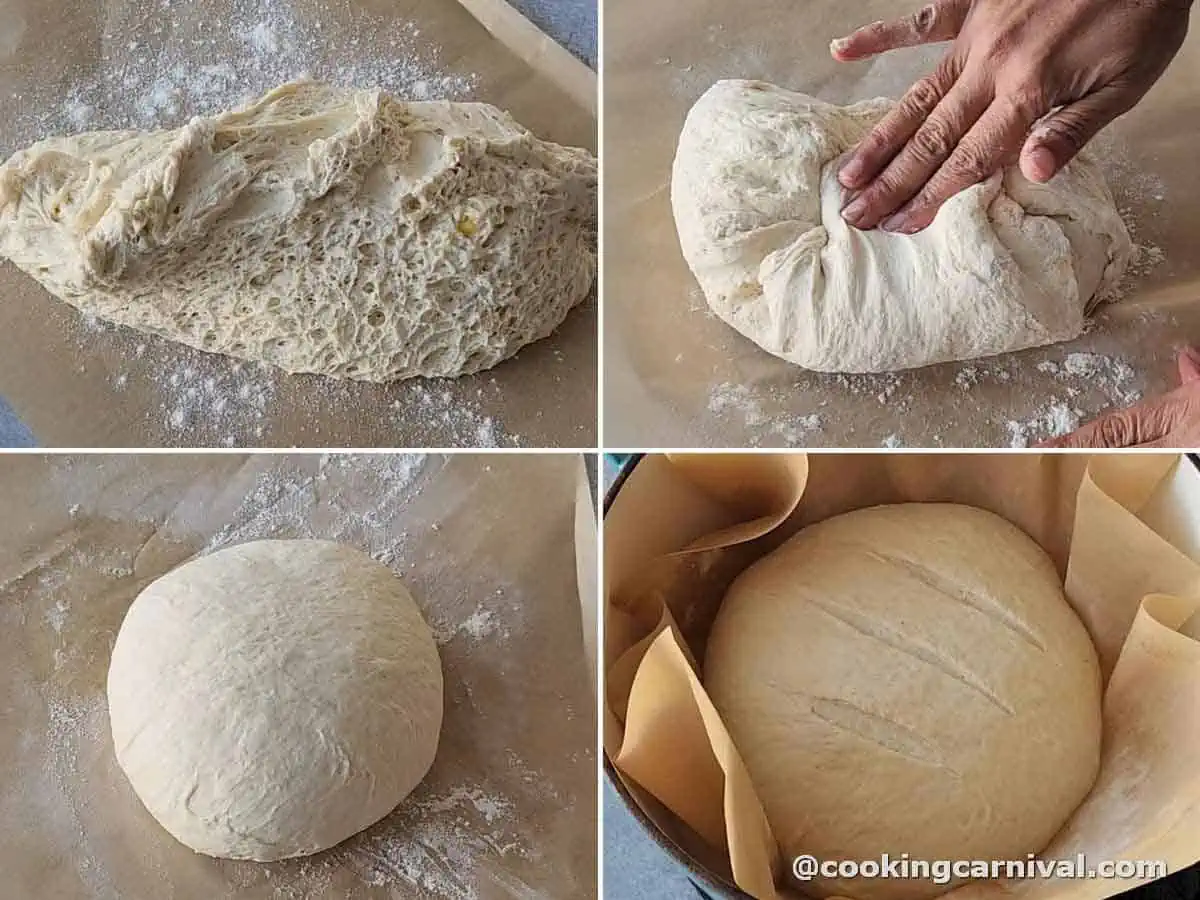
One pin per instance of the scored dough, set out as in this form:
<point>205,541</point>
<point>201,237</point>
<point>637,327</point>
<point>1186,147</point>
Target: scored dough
<point>908,679</point>
<point>1006,265</point>
<point>319,229</point>
<point>273,699</point>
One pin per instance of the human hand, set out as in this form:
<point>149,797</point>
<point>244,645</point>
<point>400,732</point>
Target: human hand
<point>1012,62</point>
<point>1172,420</point>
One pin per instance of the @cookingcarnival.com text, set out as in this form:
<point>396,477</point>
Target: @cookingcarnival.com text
<point>943,871</point>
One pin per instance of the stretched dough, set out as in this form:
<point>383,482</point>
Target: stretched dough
<point>273,699</point>
<point>1007,264</point>
<point>319,229</point>
<point>908,679</point>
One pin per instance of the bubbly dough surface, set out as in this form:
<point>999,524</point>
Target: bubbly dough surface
<point>319,229</point>
<point>908,679</point>
<point>1006,265</point>
<point>274,698</point>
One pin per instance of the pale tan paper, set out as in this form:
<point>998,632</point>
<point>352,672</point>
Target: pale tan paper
<point>485,544</point>
<point>675,376</point>
<point>1134,590</point>
<point>538,49</point>
<point>64,380</point>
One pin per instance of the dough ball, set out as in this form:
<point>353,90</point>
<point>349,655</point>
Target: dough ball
<point>1007,264</point>
<point>908,679</point>
<point>274,698</point>
<point>319,229</point>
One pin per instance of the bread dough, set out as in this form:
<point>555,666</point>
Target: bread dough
<point>319,229</point>
<point>274,698</point>
<point>1007,264</point>
<point>908,679</point>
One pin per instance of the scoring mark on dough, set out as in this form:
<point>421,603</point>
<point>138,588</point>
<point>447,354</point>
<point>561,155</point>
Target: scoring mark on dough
<point>905,643</point>
<point>980,602</point>
<point>885,732</point>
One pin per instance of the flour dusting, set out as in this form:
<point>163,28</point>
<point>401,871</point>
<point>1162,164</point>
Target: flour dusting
<point>744,407</point>
<point>159,70</point>
<point>1053,420</point>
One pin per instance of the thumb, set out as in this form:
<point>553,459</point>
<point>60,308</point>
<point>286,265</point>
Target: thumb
<point>1189,365</point>
<point>940,20</point>
<point>1056,139</point>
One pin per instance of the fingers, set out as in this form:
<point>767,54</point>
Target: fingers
<point>1138,425</point>
<point>1062,134</point>
<point>886,139</point>
<point>938,21</point>
<point>991,142</point>
<point>1189,365</point>
<point>931,144</point>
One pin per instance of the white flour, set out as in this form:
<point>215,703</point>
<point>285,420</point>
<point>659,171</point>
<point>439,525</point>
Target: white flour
<point>747,409</point>
<point>167,66</point>
<point>209,400</point>
<point>461,830</point>
<point>1053,420</point>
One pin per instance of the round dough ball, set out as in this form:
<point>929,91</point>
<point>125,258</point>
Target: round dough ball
<point>908,679</point>
<point>1007,264</point>
<point>274,698</point>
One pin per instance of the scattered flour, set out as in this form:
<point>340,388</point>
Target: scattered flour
<point>744,406</point>
<point>209,400</point>
<point>433,405</point>
<point>1111,374</point>
<point>157,71</point>
<point>1053,420</point>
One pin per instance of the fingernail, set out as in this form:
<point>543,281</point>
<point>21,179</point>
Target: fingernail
<point>850,174</point>
<point>898,223</point>
<point>1041,164</point>
<point>854,212</point>
<point>838,45</point>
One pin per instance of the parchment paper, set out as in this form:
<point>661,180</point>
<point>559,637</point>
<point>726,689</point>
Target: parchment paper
<point>68,66</point>
<point>486,546</point>
<point>1138,594</point>
<point>675,376</point>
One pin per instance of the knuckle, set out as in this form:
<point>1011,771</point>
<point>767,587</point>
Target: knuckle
<point>934,140</point>
<point>1120,430</point>
<point>1030,99</point>
<point>1067,129</point>
<point>924,21</point>
<point>970,164</point>
<point>923,96</point>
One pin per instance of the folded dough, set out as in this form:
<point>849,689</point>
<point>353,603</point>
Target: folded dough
<point>908,679</point>
<point>1007,264</point>
<point>319,229</point>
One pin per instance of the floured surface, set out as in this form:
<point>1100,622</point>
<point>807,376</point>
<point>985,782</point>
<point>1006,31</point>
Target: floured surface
<point>669,361</point>
<point>508,809</point>
<point>155,63</point>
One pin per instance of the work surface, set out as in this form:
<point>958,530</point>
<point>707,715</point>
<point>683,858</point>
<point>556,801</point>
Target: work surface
<point>677,376</point>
